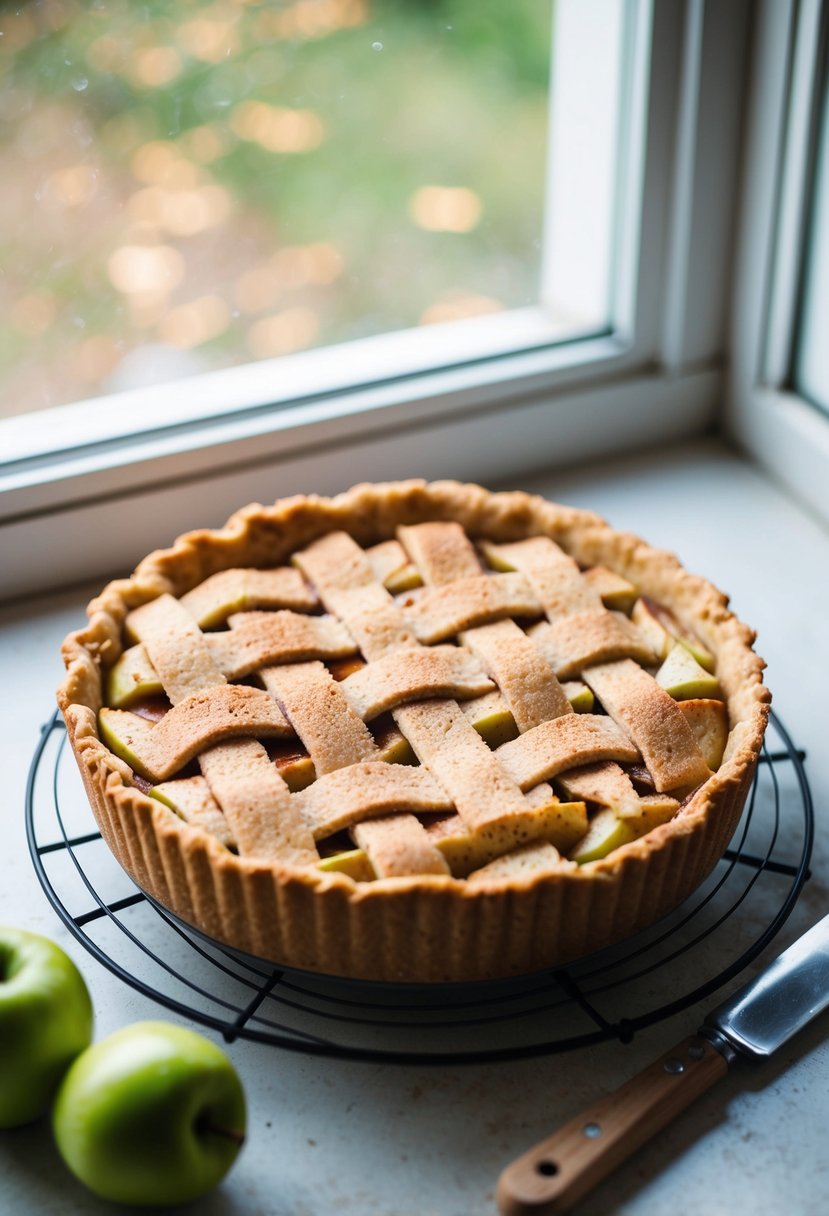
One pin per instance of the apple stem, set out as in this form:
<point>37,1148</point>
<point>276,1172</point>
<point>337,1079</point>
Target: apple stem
<point>226,1133</point>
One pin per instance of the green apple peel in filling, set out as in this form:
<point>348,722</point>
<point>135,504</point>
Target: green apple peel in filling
<point>606,833</point>
<point>684,678</point>
<point>132,678</point>
<point>661,628</point>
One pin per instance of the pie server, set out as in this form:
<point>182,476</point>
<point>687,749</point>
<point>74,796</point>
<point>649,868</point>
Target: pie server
<point>758,1019</point>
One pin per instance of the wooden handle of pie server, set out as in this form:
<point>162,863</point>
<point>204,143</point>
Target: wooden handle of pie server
<point>560,1170</point>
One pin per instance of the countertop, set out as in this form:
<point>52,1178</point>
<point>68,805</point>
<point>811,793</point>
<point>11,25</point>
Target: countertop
<point>390,1140</point>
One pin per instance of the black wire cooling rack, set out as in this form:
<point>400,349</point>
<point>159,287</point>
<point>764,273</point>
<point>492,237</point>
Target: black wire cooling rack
<point>713,936</point>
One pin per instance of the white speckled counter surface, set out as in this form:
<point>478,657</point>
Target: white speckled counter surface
<point>384,1140</point>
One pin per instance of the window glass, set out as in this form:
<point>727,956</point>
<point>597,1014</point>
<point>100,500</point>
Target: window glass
<point>812,361</point>
<point>192,185</point>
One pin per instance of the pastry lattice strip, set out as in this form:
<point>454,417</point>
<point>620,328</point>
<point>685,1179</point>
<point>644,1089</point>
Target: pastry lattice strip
<point>498,798</point>
<point>213,601</point>
<point>333,802</point>
<point>654,721</point>
<point>608,785</point>
<point>186,665</point>
<point>523,676</point>
<point>347,586</point>
<point>263,818</point>
<point>579,630</point>
<point>568,742</point>
<point>232,711</point>
<point>399,845</point>
<point>584,636</point>
<point>257,640</point>
<point>487,800</point>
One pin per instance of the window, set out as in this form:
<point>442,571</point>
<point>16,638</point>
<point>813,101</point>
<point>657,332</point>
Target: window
<point>198,185</point>
<point>778,379</point>
<point>605,332</point>
<point>812,351</point>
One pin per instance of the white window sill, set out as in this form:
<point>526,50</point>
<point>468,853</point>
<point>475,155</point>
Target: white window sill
<point>457,426</point>
<point>725,520</point>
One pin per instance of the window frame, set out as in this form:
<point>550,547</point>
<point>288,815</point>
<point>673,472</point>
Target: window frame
<point>654,376</point>
<point>784,432</point>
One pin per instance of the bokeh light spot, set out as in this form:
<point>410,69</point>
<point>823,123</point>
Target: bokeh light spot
<point>445,208</point>
<point>141,268</point>
<point>455,306</point>
<point>277,128</point>
<point>94,358</point>
<point>154,66</point>
<point>33,313</point>
<point>192,324</point>
<point>72,187</point>
<point>180,212</point>
<point>208,39</point>
<point>283,332</point>
<point>204,144</point>
<point>309,19</point>
<point>160,162</point>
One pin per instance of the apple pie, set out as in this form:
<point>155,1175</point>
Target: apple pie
<point>416,732</point>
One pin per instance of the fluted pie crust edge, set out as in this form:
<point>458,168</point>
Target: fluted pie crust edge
<point>426,928</point>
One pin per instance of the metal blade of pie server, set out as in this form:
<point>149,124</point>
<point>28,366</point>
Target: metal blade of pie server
<point>783,999</point>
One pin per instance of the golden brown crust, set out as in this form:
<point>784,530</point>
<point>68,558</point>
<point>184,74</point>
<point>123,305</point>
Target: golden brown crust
<point>432,927</point>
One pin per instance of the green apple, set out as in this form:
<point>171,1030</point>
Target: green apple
<point>45,1021</point>
<point>152,1115</point>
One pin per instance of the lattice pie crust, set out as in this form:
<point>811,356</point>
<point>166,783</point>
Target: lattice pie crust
<point>415,732</point>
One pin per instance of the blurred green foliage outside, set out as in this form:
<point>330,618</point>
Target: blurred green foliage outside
<point>230,180</point>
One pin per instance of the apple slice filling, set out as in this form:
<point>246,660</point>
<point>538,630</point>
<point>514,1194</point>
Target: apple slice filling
<point>418,734</point>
